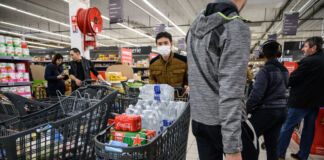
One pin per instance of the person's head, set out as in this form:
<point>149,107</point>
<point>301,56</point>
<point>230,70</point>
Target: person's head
<point>57,59</point>
<point>164,43</point>
<point>75,54</point>
<point>250,67</point>
<point>271,49</point>
<point>312,45</point>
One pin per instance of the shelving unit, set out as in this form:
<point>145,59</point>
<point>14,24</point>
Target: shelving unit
<point>12,84</point>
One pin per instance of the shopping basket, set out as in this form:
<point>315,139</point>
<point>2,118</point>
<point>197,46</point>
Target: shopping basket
<point>171,144</point>
<point>62,131</point>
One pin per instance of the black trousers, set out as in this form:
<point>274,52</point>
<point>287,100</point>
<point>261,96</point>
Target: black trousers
<point>210,145</point>
<point>268,122</point>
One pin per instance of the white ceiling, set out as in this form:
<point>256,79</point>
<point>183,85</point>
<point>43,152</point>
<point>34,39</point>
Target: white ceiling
<point>182,12</point>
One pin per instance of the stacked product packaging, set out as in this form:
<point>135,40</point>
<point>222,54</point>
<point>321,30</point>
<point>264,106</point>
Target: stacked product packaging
<point>13,47</point>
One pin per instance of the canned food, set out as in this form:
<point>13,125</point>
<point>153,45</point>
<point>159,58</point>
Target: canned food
<point>10,51</point>
<point>26,77</point>
<point>25,52</point>
<point>13,90</point>
<point>11,77</point>
<point>3,50</point>
<point>3,77</point>
<point>21,90</point>
<point>2,39</point>
<point>3,67</point>
<point>19,77</point>
<point>17,42</point>
<point>21,67</point>
<point>18,52</point>
<point>10,67</point>
<point>8,41</point>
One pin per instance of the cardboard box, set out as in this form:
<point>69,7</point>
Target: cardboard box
<point>37,71</point>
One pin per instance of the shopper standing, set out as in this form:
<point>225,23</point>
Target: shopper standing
<point>218,47</point>
<point>169,67</point>
<point>80,69</point>
<point>55,76</point>
<point>267,101</point>
<point>306,96</point>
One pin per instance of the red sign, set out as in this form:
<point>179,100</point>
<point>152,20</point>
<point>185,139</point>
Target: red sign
<point>291,66</point>
<point>153,55</point>
<point>126,55</point>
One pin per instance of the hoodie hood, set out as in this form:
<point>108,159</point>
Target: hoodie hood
<point>209,19</point>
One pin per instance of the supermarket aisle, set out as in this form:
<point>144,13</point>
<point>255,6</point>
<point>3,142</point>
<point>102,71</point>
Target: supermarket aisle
<point>192,152</point>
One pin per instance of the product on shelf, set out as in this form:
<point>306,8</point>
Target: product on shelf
<point>21,90</point>
<point>10,67</point>
<point>17,42</point>
<point>18,52</point>
<point>25,52</point>
<point>21,67</point>
<point>11,77</point>
<point>8,41</point>
<point>2,39</point>
<point>3,77</point>
<point>130,123</point>
<point>13,90</point>
<point>20,77</point>
<point>26,77</point>
<point>4,89</point>
<point>3,50</point>
<point>10,50</point>
<point>27,92</point>
<point>3,67</point>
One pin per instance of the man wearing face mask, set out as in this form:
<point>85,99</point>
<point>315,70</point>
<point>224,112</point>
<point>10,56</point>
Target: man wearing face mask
<point>168,68</point>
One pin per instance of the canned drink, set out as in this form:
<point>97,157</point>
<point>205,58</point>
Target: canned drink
<point>26,77</point>
<point>3,67</point>
<point>19,77</point>
<point>17,42</point>
<point>8,41</point>
<point>10,51</point>
<point>10,67</point>
<point>3,77</point>
<point>21,67</point>
<point>3,50</point>
<point>18,52</point>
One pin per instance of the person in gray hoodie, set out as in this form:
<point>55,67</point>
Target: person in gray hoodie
<point>218,48</point>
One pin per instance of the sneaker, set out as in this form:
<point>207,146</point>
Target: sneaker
<point>295,156</point>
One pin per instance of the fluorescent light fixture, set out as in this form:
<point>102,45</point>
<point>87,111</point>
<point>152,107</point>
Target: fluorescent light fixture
<point>165,17</point>
<point>138,32</point>
<point>138,6</point>
<point>31,46</point>
<point>45,45</point>
<point>34,29</point>
<point>33,37</point>
<point>33,15</point>
<point>121,41</point>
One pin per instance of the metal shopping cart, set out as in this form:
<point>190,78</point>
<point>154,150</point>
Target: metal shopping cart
<point>64,130</point>
<point>171,144</point>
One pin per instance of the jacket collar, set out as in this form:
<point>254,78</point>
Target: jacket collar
<point>169,60</point>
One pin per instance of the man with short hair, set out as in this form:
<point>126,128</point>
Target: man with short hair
<point>80,69</point>
<point>218,47</point>
<point>305,98</point>
<point>169,67</point>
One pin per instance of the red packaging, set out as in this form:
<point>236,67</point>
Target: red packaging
<point>150,134</point>
<point>111,121</point>
<point>124,122</point>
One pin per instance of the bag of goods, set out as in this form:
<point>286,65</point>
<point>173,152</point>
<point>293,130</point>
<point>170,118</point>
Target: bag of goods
<point>8,41</point>
<point>25,52</point>
<point>3,77</point>
<point>21,67</point>
<point>26,77</point>
<point>3,50</point>
<point>17,42</point>
<point>10,51</point>
<point>3,67</point>
<point>18,52</point>
<point>11,77</point>
<point>21,90</point>
<point>126,122</point>
<point>20,77</point>
<point>10,67</point>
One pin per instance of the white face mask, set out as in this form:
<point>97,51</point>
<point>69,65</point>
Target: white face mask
<point>164,50</point>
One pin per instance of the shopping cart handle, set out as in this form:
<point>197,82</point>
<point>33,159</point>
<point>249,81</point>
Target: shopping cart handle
<point>179,88</point>
<point>44,128</point>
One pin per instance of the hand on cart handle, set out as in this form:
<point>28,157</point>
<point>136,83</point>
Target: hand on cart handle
<point>187,88</point>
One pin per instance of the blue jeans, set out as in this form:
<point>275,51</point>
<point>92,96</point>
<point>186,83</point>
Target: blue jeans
<point>295,115</point>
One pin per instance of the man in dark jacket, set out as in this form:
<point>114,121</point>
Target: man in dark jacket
<point>80,69</point>
<point>306,96</point>
<point>218,47</point>
<point>267,101</point>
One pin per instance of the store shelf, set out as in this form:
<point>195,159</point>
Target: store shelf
<point>109,61</point>
<point>16,58</point>
<point>10,84</point>
<point>141,68</point>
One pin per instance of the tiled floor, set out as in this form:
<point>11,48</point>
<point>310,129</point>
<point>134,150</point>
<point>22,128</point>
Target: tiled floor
<point>192,152</point>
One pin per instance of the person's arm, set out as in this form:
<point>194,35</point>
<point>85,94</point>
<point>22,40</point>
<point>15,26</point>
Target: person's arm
<point>233,64</point>
<point>151,77</point>
<point>258,91</point>
<point>48,73</point>
<point>95,72</point>
<point>73,77</point>
<point>297,76</point>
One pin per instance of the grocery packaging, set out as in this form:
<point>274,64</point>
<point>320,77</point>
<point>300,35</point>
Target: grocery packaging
<point>18,52</point>
<point>8,41</point>
<point>25,52</point>
<point>10,51</point>
<point>2,39</point>
<point>3,50</point>
<point>27,92</point>
<point>20,77</point>
<point>13,90</point>
<point>131,138</point>
<point>17,42</point>
<point>3,67</point>
<point>21,67</point>
<point>3,77</point>
<point>130,123</point>
<point>11,77</point>
<point>10,67</point>
<point>4,89</point>
<point>160,92</point>
<point>21,90</point>
<point>26,77</point>
<point>115,143</point>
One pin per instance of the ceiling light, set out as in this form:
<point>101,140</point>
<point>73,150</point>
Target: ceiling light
<point>138,6</point>
<point>33,37</point>
<point>121,41</point>
<point>31,46</point>
<point>165,17</point>
<point>34,29</point>
<point>41,44</point>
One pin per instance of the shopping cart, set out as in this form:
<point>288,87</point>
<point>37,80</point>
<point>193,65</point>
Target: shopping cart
<point>62,131</point>
<point>171,144</point>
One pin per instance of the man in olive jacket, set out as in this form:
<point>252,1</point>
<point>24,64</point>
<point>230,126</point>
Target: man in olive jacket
<point>168,68</point>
